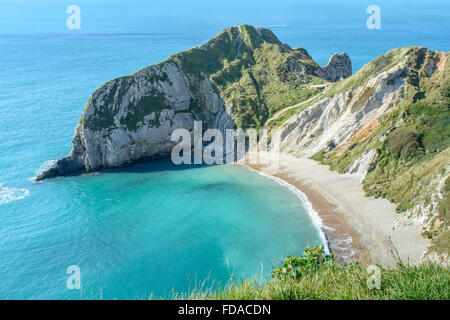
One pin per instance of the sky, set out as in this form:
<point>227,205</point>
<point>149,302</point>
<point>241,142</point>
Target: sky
<point>105,16</point>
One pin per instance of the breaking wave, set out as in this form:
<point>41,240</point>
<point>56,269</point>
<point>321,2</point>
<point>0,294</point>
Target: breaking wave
<point>43,167</point>
<point>12,194</point>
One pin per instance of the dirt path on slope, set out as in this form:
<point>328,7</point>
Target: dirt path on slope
<point>279,113</point>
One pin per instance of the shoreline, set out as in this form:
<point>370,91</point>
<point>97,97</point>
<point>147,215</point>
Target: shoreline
<point>358,228</point>
<point>313,214</point>
<point>338,238</point>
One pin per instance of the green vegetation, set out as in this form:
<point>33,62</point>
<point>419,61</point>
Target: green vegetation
<point>254,71</point>
<point>109,96</point>
<point>284,117</point>
<point>403,143</point>
<point>412,141</point>
<point>290,112</point>
<point>297,267</point>
<point>319,156</point>
<point>155,102</point>
<point>316,276</point>
<point>104,115</point>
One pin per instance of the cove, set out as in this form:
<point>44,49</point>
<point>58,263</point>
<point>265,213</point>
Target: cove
<point>150,230</point>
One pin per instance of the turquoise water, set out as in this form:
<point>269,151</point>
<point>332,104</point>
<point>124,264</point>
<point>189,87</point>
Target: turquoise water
<point>152,227</point>
<point>147,229</point>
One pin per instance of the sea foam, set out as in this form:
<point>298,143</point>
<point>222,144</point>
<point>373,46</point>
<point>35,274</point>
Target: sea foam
<point>8,194</point>
<point>43,167</point>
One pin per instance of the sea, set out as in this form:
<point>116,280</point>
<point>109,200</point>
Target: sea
<point>154,230</point>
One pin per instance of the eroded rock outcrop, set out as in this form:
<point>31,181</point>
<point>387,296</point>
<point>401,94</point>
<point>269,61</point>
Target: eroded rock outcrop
<point>339,67</point>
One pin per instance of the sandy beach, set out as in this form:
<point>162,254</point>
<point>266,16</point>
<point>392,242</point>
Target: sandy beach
<point>358,228</point>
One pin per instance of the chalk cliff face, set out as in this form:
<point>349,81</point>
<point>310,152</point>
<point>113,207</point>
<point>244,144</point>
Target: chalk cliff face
<point>132,118</point>
<point>336,118</point>
<point>232,80</point>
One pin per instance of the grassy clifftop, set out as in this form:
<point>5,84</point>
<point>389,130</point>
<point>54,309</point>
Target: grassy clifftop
<point>317,277</point>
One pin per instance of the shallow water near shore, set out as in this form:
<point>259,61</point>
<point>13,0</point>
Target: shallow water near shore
<point>149,228</point>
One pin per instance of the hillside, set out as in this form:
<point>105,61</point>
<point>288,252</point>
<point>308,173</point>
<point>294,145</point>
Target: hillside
<point>388,124</point>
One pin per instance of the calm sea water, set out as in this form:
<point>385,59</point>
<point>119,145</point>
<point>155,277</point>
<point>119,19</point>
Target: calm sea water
<point>152,227</point>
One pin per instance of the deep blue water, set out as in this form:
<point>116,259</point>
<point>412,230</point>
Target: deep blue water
<point>151,227</point>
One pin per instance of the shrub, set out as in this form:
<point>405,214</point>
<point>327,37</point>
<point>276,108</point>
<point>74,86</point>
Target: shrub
<point>319,156</point>
<point>403,143</point>
<point>331,145</point>
<point>296,267</point>
<point>445,90</point>
<point>316,276</point>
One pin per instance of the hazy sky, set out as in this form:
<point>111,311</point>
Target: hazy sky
<point>140,16</point>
